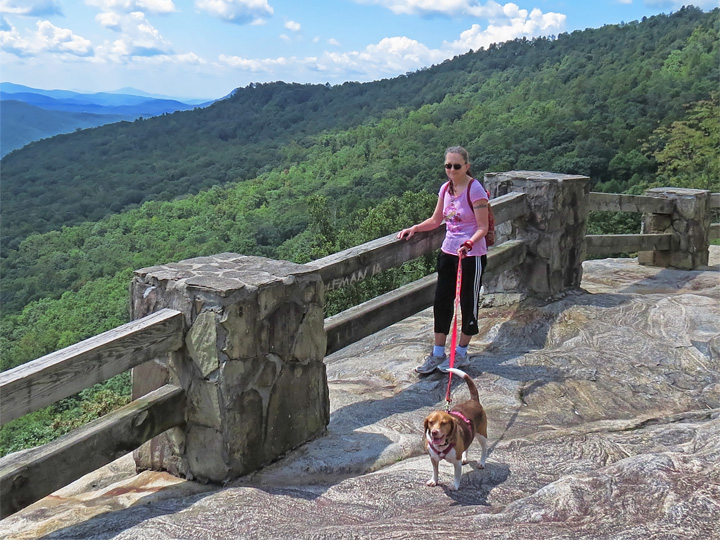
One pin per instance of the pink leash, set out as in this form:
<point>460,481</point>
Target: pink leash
<point>453,339</point>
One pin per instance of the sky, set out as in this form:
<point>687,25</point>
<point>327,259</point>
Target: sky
<point>204,49</point>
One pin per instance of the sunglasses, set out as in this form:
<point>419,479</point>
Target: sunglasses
<point>456,166</point>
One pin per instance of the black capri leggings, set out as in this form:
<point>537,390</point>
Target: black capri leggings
<point>444,306</point>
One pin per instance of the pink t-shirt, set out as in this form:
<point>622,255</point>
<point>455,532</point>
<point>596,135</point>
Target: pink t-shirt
<point>460,222</point>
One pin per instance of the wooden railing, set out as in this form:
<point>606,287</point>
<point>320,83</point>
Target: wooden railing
<point>604,244</point>
<point>715,205</point>
<point>29,475</point>
<point>373,257</point>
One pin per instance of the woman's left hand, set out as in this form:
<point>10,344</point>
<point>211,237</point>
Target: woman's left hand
<point>465,248</point>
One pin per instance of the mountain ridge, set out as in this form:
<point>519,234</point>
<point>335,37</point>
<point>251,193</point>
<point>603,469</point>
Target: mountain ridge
<point>21,126</point>
<point>577,104</point>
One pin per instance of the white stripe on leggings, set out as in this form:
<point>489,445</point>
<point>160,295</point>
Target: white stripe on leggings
<point>477,285</point>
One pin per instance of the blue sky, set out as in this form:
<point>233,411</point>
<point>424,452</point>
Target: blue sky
<point>206,48</point>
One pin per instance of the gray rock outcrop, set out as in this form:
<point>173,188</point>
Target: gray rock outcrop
<point>604,423</point>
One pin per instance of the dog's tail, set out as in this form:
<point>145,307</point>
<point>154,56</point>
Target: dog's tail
<point>471,385</point>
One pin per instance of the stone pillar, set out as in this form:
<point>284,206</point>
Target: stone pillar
<point>689,224</point>
<point>553,229</point>
<point>252,365</point>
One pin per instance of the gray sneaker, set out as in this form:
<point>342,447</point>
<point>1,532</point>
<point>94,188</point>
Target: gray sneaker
<point>431,362</point>
<point>460,361</point>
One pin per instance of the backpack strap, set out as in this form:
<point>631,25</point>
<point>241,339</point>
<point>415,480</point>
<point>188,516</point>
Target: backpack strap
<point>445,188</point>
<point>467,191</point>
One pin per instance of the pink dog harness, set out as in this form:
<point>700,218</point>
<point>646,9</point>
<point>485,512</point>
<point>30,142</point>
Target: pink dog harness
<point>442,453</point>
<point>462,417</point>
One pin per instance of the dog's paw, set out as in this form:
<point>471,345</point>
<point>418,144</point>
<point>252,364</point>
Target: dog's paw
<point>454,486</point>
<point>481,466</point>
<point>432,482</point>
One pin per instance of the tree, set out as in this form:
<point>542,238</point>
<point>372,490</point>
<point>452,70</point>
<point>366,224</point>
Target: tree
<point>688,151</point>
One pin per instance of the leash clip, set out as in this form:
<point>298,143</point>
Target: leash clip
<point>447,405</point>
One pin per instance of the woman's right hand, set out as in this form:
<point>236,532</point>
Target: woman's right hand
<point>407,233</point>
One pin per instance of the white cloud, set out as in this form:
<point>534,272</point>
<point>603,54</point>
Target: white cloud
<point>110,20</point>
<point>129,6</point>
<point>451,8</point>
<point>292,26</point>
<point>157,6</point>
<point>61,40</point>
<point>677,4</point>
<point>254,65</point>
<point>394,55</point>
<point>47,39</point>
<point>521,24</point>
<point>333,42</point>
<point>237,11</point>
<point>31,8</point>
<point>191,59</point>
<point>388,57</point>
<point>137,38</point>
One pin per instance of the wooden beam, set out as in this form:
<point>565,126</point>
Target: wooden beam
<point>44,381</point>
<point>508,207</point>
<point>369,317</point>
<point>382,311</point>
<point>615,202</point>
<point>366,260</point>
<point>603,244</point>
<point>504,257</point>
<point>28,476</point>
<point>714,231</point>
<point>715,200</point>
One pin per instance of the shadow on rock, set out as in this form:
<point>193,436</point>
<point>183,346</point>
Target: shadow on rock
<point>476,485</point>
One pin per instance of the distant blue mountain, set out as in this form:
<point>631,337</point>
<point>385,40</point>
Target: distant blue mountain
<point>123,96</point>
<point>21,123</point>
<point>100,103</point>
<point>29,114</point>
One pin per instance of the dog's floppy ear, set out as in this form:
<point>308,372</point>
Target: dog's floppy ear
<point>426,424</point>
<point>453,426</point>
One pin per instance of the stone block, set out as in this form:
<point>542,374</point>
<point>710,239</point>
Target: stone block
<point>202,343</point>
<point>204,407</point>
<point>689,222</point>
<point>310,344</point>
<point>247,424</point>
<point>656,223</point>
<point>553,229</point>
<point>253,322</point>
<point>206,454</point>
<point>240,325</point>
<point>292,412</point>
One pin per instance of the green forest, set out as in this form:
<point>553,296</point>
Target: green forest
<point>296,172</point>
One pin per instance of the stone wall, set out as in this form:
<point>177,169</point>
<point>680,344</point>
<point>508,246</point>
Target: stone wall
<point>553,229</point>
<point>252,366</point>
<point>689,223</point>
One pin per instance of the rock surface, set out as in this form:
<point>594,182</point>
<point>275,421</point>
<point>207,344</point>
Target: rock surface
<point>604,422</point>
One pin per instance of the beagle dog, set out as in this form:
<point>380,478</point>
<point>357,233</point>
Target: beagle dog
<point>448,434</point>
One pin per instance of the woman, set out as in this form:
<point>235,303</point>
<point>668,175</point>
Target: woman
<point>465,214</point>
